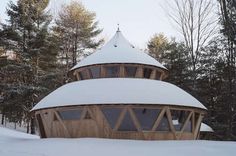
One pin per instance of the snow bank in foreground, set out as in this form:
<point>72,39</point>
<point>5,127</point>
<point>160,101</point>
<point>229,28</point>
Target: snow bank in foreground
<point>19,144</point>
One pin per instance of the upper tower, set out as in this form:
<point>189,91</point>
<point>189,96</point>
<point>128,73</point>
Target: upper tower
<point>118,58</point>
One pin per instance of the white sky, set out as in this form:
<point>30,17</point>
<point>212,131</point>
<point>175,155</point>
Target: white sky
<point>138,19</point>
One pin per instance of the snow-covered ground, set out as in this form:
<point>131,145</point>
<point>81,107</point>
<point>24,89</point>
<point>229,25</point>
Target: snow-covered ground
<point>13,143</point>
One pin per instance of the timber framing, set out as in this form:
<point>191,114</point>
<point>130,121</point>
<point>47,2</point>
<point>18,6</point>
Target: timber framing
<point>93,122</point>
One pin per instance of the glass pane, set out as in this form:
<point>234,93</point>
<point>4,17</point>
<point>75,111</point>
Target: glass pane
<point>178,118</point>
<point>188,127</point>
<point>112,71</point>
<point>164,124</point>
<point>146,117</point>
<point>83,75</point>
<point>127,124</point>
<point>130,71</point>
<point>111,115</point>
<point>158,75</point>
<point>147,72</point>
<point>95,71</point>
<point>70,114</point>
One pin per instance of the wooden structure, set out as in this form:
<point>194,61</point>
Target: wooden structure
<point>120,121</point>
<point>206,132</point>
<point>118,93</point>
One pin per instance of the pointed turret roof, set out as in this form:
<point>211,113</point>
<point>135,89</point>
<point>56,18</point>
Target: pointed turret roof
<point>119,50</point>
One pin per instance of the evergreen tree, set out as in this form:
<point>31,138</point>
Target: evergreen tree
<point>27,35</point>
<point>76,30</point>
<point>228,21</point>
<point>174,56</point>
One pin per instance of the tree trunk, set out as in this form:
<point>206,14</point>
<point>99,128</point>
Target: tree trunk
<point>3,117</point>
<point>27,128</point>
<point>32,126</point>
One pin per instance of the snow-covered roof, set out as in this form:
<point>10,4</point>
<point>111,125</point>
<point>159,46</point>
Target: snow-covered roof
<point>118,50</point>
<point>205,128</point>
<point>118,91</point>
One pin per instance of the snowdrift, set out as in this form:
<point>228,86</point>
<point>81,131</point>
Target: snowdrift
<point>14,143</point>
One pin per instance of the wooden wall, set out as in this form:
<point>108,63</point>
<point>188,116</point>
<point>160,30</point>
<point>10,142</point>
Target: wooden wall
<point>93,123</point>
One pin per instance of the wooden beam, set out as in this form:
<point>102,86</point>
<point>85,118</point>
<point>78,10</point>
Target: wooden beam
<point>197,127</point>
<point>134,118</point>
<point>185,124</point>
<point>139,72</point>
<point>162,75</point>
<point>169,118</point>
<point>159,118</point>
<point>153,74</point>
<point>122,71</point>
<point>63,125</point>
<point>103,71</point>
<point>120,118</point>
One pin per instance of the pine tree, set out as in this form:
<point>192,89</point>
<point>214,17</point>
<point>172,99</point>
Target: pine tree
<point>76,30</point>
<point>27,34</point>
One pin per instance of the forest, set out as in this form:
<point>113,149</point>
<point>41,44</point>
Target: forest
<point>37,50</point>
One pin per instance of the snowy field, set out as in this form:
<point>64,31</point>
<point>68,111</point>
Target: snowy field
<point>13,143</point>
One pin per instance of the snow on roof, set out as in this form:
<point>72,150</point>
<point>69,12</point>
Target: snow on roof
<point>205,128</point>
<point>118,50</point>
<point>118,91</point>
<point>24,146</point>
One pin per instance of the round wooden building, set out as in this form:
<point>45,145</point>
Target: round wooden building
<point>118,92</point>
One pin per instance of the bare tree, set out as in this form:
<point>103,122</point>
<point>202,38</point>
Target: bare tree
<point>196,20</point>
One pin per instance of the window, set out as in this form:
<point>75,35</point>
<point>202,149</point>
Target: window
<point>112,71</point>
<point>178,119</point>
<point>127,123</point>
<point>146,117</point>
<point>111,115</point>
<point>130,71</point>
<point>70,114</point>
<point>95,71</point>
<point>83,75</point>
<point>158,75</point>
<point>147,73</point>
<point>164,124</point>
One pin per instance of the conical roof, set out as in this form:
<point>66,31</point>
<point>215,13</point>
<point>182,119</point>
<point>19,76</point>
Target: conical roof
<point>119,50</point>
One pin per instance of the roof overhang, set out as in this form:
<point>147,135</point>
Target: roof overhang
<point>118,91</point>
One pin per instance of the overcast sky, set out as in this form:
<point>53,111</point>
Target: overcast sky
<point>138,19</point>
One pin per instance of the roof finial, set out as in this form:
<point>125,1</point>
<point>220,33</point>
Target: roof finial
<point>118,27</point>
